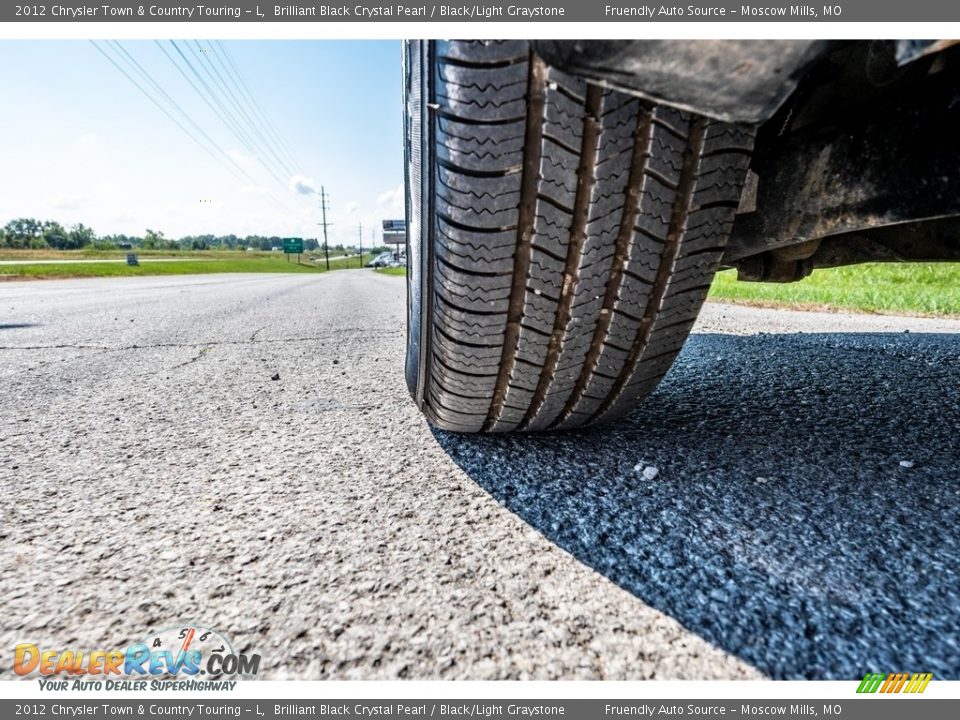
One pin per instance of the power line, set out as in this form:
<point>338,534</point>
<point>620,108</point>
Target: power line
<point>149,78</point>
<point>239,172</point>
<point>251,124</point>
<point>162,109</point>
<point>224,113</point>
<point>225,55</point>
<point>226,96</point>
<point>215,104</point>
<point>218,110</point>
<point>197,134</point>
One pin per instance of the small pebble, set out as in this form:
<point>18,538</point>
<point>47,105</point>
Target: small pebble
<point>906,463</point>
<point>650,472</point>
<point>275,376</point>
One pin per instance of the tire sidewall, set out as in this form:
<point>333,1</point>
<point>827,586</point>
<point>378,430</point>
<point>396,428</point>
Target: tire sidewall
<point>417,190</point>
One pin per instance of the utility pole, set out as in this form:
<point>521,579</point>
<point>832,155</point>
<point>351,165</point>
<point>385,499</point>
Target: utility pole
<point>323,207</point>
<point>360,238</point>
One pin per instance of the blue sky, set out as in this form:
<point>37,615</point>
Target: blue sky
<point>80,143</point>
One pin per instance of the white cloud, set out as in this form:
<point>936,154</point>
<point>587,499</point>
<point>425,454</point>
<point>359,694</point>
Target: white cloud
<point>240,158</point>
<point>68,201</point>
<point>391,201</point>
<point>302,185</point>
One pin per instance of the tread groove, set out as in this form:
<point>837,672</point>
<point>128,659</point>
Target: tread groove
<point>532,143</point>
<point>671,251</point>
<point>586,182</point>
<point>631,207</point>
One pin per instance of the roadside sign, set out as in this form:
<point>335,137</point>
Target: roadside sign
<point>395,232</point>
<point>293,247</point>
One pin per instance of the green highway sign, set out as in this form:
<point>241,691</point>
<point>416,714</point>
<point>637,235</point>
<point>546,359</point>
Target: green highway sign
<point>293,247</point>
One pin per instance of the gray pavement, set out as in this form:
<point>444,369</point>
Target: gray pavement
<point>802,521</point>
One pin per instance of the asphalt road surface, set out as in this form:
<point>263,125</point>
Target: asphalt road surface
<point>802,520</point>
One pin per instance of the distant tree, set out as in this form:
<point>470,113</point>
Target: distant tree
<point>311,245</point>
<point>153,240</point>
<point>80,236</point>
<point>22,232</point>
<point>55,236</point>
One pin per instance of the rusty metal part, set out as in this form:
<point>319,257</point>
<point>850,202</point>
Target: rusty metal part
<point>800,251</point>
<point>894,161</point>
<point>731,80</point>
<point>748,197</point>
<point>928,241</point>
<point>923,241</point>
<point>787,264</point>
<point>767,267</point>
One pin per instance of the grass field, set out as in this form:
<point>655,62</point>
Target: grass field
<point>392,271</point>
<point>164,263</point>
<point>916,289</point>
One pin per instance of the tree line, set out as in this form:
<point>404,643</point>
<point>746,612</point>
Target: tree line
<point>29,233</point>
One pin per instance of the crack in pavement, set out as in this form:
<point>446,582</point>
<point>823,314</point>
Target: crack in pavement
<point>207,344</point>
<point>203,351</point>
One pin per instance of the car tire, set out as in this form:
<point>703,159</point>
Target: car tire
<point>562,237</point>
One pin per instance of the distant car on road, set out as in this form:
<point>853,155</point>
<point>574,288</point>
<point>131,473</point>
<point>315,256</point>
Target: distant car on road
<point>381,260</point>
